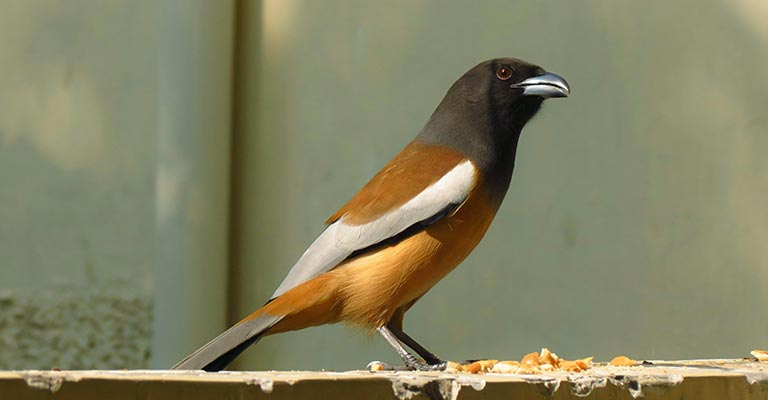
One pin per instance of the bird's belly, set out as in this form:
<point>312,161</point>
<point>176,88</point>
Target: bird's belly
<point>373,286</point>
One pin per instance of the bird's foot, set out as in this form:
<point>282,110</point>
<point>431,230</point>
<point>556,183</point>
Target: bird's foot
<point>411,365</point>
<point>376,366</point>
<point>423,366</point>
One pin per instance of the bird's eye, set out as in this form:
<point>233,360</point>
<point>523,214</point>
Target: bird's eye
<point>503,73</point>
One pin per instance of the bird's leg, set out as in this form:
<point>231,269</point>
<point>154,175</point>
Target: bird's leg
<point>407,357</point>
<point>403,337</point>
<point>410,361</point>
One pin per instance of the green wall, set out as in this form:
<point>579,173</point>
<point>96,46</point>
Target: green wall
<point>114,160</point>
<point>165,163</point>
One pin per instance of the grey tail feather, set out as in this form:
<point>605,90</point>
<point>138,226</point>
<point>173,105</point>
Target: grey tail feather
<point>219,352</point>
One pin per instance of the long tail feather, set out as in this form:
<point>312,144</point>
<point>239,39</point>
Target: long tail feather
<point>219,352</point>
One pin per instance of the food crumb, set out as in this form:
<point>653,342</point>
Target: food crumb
<point>576,365</point>
<point>532,363</point>
<point>623,361</point>
<point>761,355</point>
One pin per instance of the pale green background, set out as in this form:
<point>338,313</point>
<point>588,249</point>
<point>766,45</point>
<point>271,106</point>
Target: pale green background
<point>163,163</point>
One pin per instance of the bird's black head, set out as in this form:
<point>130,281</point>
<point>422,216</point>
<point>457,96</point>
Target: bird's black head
<point>509,91</point>
<point>485,110</point>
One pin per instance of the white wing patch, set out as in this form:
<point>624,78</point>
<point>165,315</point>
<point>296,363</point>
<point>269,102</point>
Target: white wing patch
<point>339,239</point>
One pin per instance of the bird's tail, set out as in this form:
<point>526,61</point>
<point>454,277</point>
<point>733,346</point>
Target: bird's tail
<point>219,352</point>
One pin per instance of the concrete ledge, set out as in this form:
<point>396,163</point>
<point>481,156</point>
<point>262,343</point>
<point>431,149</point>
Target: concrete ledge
<point>699,379</point>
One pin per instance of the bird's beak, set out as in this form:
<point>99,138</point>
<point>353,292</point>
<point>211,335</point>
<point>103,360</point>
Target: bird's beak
<point>547,85</point>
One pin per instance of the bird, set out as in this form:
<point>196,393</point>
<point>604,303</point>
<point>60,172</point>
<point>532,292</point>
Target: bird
<point>410,225</point>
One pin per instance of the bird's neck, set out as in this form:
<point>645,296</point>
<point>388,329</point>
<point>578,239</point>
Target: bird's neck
<point>489,143</point>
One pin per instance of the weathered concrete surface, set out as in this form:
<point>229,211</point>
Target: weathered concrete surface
<point>75,328</point>
<point>701,380</point>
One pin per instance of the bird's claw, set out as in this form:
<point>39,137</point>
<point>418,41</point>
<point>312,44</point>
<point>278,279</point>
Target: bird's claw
<point>422,366</point>
<point>376,366</point>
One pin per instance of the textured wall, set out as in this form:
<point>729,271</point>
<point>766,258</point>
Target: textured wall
<point>114,128</point>
<point>77,123</point>
<point>74,328</point>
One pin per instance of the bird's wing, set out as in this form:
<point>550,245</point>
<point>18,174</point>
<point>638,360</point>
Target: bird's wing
<point>418,187</point>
